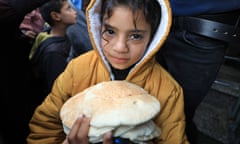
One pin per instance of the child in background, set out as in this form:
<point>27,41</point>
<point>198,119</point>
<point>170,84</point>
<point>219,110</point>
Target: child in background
<point>51,47</point>
<point>125,35</point>
<point>80,42</point>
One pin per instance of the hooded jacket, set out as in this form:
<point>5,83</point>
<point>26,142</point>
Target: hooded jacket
<point>92,68</point>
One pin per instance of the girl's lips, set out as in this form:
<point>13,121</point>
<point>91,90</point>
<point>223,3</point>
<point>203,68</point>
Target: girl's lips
<point>119,60</point>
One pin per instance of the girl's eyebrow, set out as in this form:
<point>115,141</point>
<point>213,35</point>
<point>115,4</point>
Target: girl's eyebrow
<point>108,25</point>
<point>132,31</point>
<point>138,31</point>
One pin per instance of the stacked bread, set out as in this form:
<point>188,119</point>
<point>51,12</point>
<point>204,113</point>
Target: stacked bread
<point>118,106</point>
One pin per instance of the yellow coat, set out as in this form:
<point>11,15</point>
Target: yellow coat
<point>91,68</point>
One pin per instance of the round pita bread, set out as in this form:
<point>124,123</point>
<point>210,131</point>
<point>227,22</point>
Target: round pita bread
<point>112,104</point>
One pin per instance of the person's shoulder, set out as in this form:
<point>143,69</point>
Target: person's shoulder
<point>42,36</point>
<point>90,55</point>
<point>56,44</point>
<point>84,61</point>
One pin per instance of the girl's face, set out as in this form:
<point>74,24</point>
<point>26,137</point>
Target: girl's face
<point>125,37</point>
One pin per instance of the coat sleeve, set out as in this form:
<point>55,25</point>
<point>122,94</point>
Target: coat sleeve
<point>171,118</point>
<point>45,125</point>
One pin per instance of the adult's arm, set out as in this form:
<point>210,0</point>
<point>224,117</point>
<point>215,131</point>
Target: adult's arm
<point>15,10</point>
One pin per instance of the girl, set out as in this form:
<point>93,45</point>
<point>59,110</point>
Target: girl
<point>125,34</point>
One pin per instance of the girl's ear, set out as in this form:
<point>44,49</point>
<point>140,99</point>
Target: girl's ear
<point>55,16</point>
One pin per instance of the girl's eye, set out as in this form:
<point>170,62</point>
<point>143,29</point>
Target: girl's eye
<point>135,37</point>
<point>109,32</point>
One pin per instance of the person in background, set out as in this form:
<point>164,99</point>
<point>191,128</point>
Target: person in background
<point>125,35</point>
<point>17,102</point>
<point>194,51</point>
<point>77,33</point>
<point>51,48</point>
<point>31,25</point>
<point>77,4</point>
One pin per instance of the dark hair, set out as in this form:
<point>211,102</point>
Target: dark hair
<point>50,6</point>
<point>151,10</point>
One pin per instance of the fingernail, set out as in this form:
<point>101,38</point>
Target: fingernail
<point>109,134</point>
<point>80,116</point>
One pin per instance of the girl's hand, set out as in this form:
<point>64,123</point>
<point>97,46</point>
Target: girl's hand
<point>79,132</point>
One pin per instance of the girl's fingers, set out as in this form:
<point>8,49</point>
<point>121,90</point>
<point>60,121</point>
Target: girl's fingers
<point>107,139</point>
<point>84,129</point>
<point>75,128</point>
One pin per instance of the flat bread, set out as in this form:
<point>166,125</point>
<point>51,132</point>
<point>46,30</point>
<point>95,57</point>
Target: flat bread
<point>110,105</point>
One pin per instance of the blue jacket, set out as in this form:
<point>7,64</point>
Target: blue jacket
<point>197,7</point>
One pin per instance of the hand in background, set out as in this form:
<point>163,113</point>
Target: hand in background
<point>30,34</point>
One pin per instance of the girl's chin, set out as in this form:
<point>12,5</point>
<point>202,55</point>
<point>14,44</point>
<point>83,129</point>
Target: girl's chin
<point>119,66</point>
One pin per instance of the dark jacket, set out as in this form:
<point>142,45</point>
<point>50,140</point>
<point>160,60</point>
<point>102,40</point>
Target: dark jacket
<point>49,58</point>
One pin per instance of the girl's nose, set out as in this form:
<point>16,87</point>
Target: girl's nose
<point>120,45</point>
